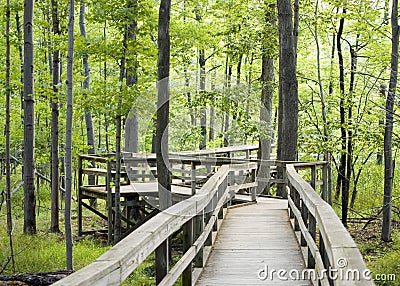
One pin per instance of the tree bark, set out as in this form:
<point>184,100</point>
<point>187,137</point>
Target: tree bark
<point>68,140</point>
<point>131,124</point>
<point>387,143</point>
<point>211,134</point>
<point>118,131</point>
<point>55,170</point>
<point>379,155</point>
<point>267,94</point>
<point>288,92</point>
<point>7,133</point>
<point>349,159</point>
<point>86,87</point>
<point>29,122</point>
<point>163,171</point>
<point>225,124</point>
<point>203,111</point>
<point>341,180</point>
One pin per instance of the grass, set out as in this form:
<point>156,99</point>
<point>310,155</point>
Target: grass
<point>44,252</point>
<point>383,259</point>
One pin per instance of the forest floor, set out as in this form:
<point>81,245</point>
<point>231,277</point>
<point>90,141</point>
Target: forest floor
<point>382,258</point>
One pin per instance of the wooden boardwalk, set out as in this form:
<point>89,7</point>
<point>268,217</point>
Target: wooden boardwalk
<point>251,238</point>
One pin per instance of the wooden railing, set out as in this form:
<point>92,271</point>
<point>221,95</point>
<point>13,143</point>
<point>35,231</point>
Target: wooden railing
<point>332,254</point>
<point>199,217</point>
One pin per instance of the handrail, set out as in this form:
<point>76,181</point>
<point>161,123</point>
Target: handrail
<point>117,264</point>
<point>336,256</point>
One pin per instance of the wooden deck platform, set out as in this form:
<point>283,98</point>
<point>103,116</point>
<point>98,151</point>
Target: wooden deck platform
<point>251,238</point>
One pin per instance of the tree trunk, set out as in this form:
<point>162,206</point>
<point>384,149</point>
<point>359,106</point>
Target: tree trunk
<point>387,144</point>
<point>163,171</point>
<point>21,56</point>
<point>211,134</point>
<point>86,87</point>
<point>341,179</point>
<point>7,133</point>
<point>267,94</point>
<point>55,171</point>
<point>118,131</point>
<point>227,117</point>
<point>203,111</point>
<point>349,159</point>
<point>131,124</point>
<point>379,155</point>
<point>287,135</point>
<point>296,21</point>
<point>29,122</point>
<point>68,140</point>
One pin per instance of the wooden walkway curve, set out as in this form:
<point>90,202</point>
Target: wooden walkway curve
<point>267,241</point>
<point>251,238</point>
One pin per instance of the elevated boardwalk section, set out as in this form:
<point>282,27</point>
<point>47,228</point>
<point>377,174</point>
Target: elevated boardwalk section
<point>265,242</point>
<point>253,238</point>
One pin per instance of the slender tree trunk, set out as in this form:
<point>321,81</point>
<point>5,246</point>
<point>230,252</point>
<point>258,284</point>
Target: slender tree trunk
<point>131,124</point>
<point>21,56</point>
<point>349,158</point>
<point>118,132</point>
<point>29,122</point>
<point>321,90</point>
<point>287,88</point>
<point>7,131</point>
<point>86,87</point>
<point>68,140</point>
<point>379,155</point>
<point>342,165</point>
<point>55,174</point>
<point>341,181</point>
<point>211,134</point>
<point>227,117</point>
<point>203,111</point>
<point>387,144</point>
<point>267,94</point>
<point>163,171</point>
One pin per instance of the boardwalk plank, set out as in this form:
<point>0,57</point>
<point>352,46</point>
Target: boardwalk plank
<point>252,237</point>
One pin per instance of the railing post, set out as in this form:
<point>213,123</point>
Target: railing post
<point>221,190</point>
<point>109,201</point>
<point>324,187</point>
<point>231,183</point>
<point>208,213</point>
<point>322,251</point>
<point>199,228</point>
<point>312,229</point>
<point>183,172</point>
<point>80,183</point>
<point>329,183</point>
<point>253,189</point>
<point>297,204</point>
<point>187,243</point>
<point>162,261</point>
<point>304,216</point>
<point>291,194</point>
<point>193,177</point>
<point>313,177</point>
<point>281,176</point>
<point>214,206</point>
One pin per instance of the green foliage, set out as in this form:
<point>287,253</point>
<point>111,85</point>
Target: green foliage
<point>383,259</point>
